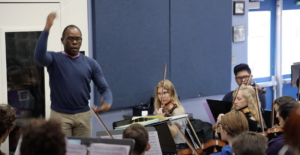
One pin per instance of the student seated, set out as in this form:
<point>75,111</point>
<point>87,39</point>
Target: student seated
<point>280,101</point>
<point>291,131</point>
<point>232,124</point>
<point>242,74</point>
<point>140,136</point>
<point>246,99</point>
<point>7,122</point>
<point>164,97</point>
<point>40,137</point>
<point>283,112</point>
<point>249,143</point>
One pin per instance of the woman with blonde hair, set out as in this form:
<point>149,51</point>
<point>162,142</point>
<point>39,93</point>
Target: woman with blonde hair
<point>168,96</point>
<point>165,94</point>
<point>246,99</point>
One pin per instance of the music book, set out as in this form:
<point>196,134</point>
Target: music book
<point>76,149</point>
<point>218,107</point>
<point>108,149</point>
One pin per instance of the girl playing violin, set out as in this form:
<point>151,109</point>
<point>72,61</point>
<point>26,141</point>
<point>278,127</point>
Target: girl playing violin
<point>232,124</point>
<point>246,99</point>
<point>165,96</point>
<point>283,112</point>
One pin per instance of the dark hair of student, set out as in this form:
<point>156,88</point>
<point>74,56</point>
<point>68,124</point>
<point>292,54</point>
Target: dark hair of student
<point>40,137</point>
<point>249,143</point>
<point>140,136</point>
<point>241,67</point>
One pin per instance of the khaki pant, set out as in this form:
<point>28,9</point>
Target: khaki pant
<point>79,124</point>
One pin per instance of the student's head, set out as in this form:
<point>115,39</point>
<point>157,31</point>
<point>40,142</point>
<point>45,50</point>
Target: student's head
<point>7,120</point>
<point>71,39</point>
<point>282,100</point>
<point>291,131</point>
<point>233,124</point>
<point>43,137</point>
<point>246,97</point>
<point>284,111</point>
<point>242,73</point>
<point>169,94</point>
<point>249,143</point>
<point>140,136</point>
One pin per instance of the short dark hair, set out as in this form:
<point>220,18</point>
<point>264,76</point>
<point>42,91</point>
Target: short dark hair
<point>241,67</point>
<point>72,26</point>
<point>43,137</point>
<point>283,99</point>
<point>249,143</point>
<point>140,136</point>
<point>287,108</point>
<point>7,118</point>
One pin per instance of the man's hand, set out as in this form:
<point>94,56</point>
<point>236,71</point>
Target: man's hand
<point>104,108</point>
<point>50,19</point>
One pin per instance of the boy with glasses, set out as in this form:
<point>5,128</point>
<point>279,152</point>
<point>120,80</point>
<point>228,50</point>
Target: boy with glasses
<point>242,74</point>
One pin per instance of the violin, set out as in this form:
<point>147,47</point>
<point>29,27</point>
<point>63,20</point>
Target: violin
<point>262,90</point>
<point>169,108</point>
<point>245,110</point>
<point>213,146</point>
<point>275,131</point>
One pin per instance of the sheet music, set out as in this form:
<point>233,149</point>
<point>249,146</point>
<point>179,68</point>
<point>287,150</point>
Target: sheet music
<point>109,149</point>
<point>155,148</point>
<point>154,144</point>
<point>75,149</point>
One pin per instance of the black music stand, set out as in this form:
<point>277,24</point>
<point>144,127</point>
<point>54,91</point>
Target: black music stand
<point>295,75</point>
<point>218,107</point>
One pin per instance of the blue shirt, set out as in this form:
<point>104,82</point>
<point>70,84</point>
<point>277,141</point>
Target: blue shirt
<point>70,78</point>
<point>226,150</point>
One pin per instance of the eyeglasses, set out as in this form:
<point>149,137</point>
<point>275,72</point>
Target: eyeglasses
<point>165,93</point>
<point>71,39</point>
<point>242,77</point>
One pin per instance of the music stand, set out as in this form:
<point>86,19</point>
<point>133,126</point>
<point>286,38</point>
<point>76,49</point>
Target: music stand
<point>295,74</point>
<point>166,140</point>
<point>218,107</point>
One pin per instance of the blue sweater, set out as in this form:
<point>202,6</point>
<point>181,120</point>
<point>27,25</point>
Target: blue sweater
<point>226,150</point>
<point>70,78</point>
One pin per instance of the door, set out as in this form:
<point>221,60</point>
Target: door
<point>24,84</point>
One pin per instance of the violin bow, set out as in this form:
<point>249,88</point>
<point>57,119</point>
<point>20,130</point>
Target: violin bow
<point>193,131</point>
<point>163,86</point>
<point>249,80</point>
<point>100,121</point>
<point>187,141</point>
<point>259,112</point>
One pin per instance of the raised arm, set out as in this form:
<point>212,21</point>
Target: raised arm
<point>40,54</point>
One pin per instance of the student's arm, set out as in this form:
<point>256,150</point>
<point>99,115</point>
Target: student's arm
<point>40,54</point>
<point>173,130</point>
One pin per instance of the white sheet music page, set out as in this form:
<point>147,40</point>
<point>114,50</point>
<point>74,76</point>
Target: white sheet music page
<point>109,149</point>
<point>154,144</point>
<point>75,149</point>
<point>155,148</point>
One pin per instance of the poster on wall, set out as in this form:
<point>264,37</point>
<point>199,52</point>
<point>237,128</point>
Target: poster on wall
<point>239,33</point>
